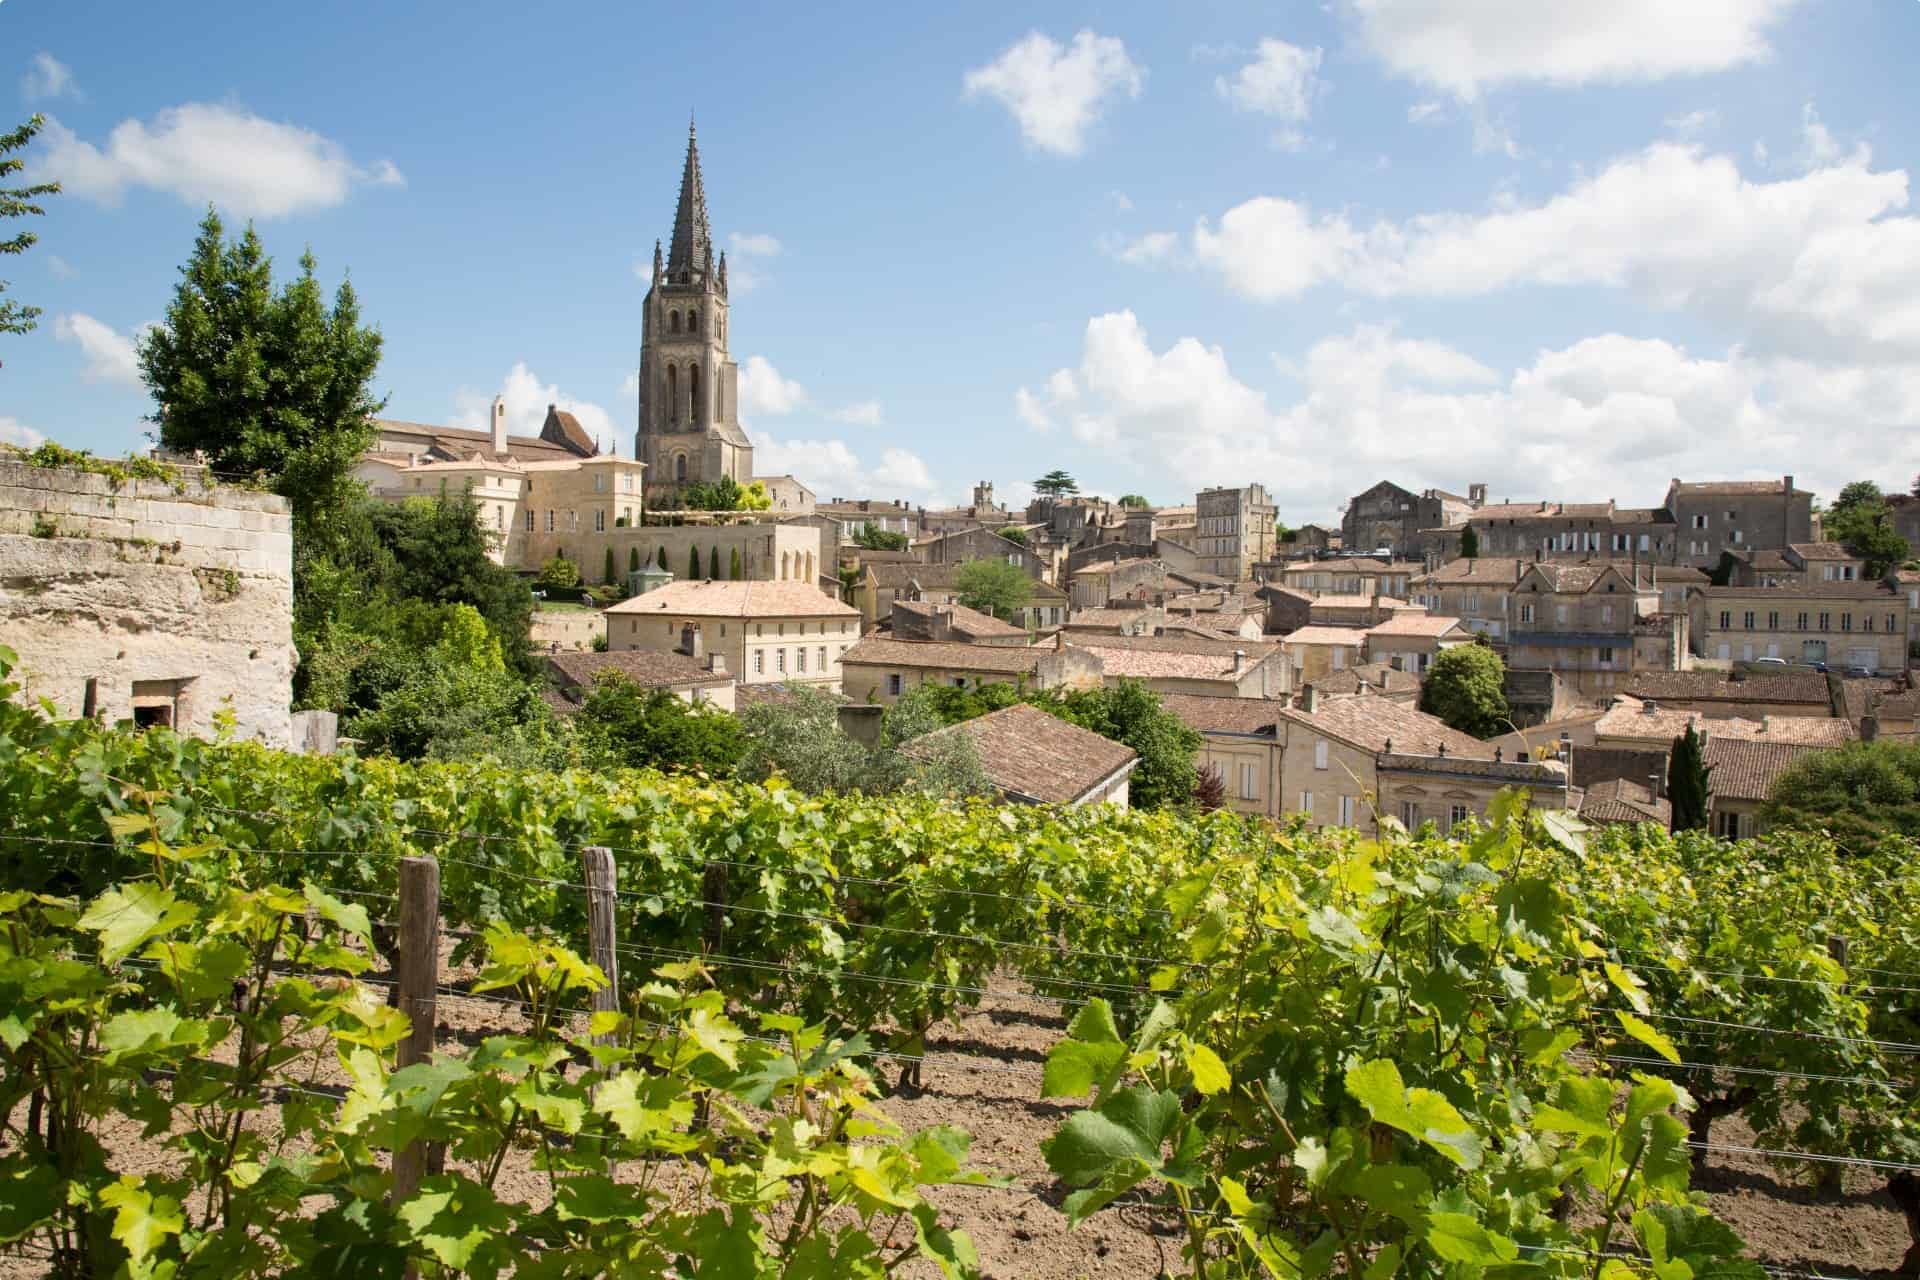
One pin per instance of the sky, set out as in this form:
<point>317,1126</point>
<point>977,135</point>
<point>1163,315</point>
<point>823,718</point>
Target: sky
<point>1570,250</point>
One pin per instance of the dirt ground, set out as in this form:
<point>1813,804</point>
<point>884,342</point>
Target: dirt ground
<point>983,1075</point>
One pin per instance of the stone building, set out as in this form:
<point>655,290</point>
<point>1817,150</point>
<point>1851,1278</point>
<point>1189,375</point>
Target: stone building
<point>1032,757</point>
<point>1351,576</point>
<point>1388,516</point>
<point>1576,620</point>
<point>1560,530</point>
<point>1855,625</point>
<point>143,600</point>
<point>979,543</point>
<point>1737,515</point>
<point>1235,530</point>
<point>766,632</point>
<point>883,670</point>
<point>689,428</point>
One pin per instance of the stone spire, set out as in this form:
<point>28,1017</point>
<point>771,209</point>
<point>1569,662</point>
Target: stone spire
<point>692,239</point>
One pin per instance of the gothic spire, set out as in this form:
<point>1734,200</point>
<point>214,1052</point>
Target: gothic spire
<point>692,239</point>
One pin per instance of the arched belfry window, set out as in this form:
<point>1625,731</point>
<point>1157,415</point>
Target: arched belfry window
<point>694,416</point>
<point>693,321</point>
<point>680,466</point>
<point>673,322</point>
<point>673,395</point>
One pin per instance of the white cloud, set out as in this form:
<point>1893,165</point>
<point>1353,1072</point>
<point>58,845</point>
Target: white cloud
<point>1694,123</point>
<point>831,469</point>
<point>1057,92</point>
<point>757,245</point>
<point>527,399</point>
<point>59,267</point>
<point>1465,47</point>
<point>48,77</point>
<point>861,413</point>
<point>15,432</point>
<point>1121,202</point>
<point>763,390</point>
<point>1609,416</point>
<point>1153,247</point>
<point>1820,260</point>
<point>1031,410</point>
<point>1281,81</point>
<point>1819,149</point>
<point>201,152</point>
<point>1426,112</point>
<point>109,354</point>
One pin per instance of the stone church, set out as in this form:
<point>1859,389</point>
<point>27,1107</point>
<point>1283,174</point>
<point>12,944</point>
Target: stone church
<point>689,386</point>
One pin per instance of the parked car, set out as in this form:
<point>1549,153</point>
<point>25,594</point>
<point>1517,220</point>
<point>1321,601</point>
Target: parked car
<point>1769,662</point>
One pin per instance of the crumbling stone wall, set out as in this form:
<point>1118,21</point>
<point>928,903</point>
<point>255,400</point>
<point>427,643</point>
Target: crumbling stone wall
<point>146,600</point>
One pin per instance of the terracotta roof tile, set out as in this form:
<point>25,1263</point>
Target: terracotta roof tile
<point>1353,637</point>
<point>1208,714</point>
<point>1630,718</point>
<point>1747,770</point>
<point>1036,756</point>
<point>1417,625</point>
<point>967,622</point>
<point>1821,551</point>
<point>941,655</point>
<point>1370,723</point>
<point>1808,688</point>
<point>736,600</point>
<point>646,667</point>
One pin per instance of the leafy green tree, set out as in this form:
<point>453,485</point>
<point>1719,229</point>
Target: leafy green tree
<point>660,557</point>
<point>1466,687</point>
<point>1131,713</point>
<point>693,564</point>
<point>993,587</point>
<point>1134,500</point>
<point>733,565</point>
<point>1866,795</point>
<point>713,563</point>
<point>754,497</point>
<point>1056,484</point>
<point>800,739</point>
<point>651,728</point>
<point>18,202</point>
<point>276,384</point>
<point>1281,533</point>
<point>558,574</point>
<point>633,559</point>
<point>1689,785</point>
<point>467,641</point>
<point>1469,543</point>
<point>1862,521</point>
<point>1858,494</point>
<point>873,538</point>
<point>951,705</point>
<point>1014,533</point>
<point>443,704</point>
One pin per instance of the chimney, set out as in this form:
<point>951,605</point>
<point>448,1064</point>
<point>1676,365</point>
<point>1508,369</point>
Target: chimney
<point>1653,786</point>
<point>498,424</point>
<point>1648,707</point>
<point>1310,701</point>
<point>717,663</point>
<point>690,642</point>
<point>1239,661</point>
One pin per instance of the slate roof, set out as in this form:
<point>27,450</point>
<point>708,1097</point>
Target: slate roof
<point>1747,770</point>
<point>1035,756</point>
<point>647,668</point>
<point>736,600</point>
<point>1370,723</point>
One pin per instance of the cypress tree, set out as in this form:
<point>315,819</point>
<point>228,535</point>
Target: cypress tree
<point>1689,789</point>
<point>713,563</point>
<point>693,564</point>
<point>608,575</point>
<point>1469,544</point>
<point>661,558</point>
<point>633,559</point>
<point>733,566</point>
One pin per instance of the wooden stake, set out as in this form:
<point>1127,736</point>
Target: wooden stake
<point>418,977</point>
<point>602,899</point>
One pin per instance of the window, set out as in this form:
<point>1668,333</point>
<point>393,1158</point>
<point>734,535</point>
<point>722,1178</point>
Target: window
<point>1249,782</point>
<point>1700,522</point>
<point>1643,542</point>
<point>1726,826</point>
<point>780,661</point>
<point>1410,815</point>
<point>549,519</point>
<point>1866,623</point>
<point>1826,622</point>
<point>1606,611</point>
<point>599,482</point>
<point>1346,811</point>
<point>893,684</point>
<point>529,519</point>
<point>1320,754</point>
<point>626,482</point>
<point>1306,802</point>
<point>573,522</point>
<point>673,322</point>
<point>800,659</point>
<point>1457,814</point>
<point>1526,613</point>
<point>1773,620</point>
<point>1606,656</point>
<point>1560,613</point>
<point>599,521</point>
<point>759,662</point>
<point>1746,620</point>
<point>1726,619</point>
<point>1801,621</point>
<point>1892,625</point>
<point>1846,622</point>
<point>1736,537</point>
<point>823,657</point>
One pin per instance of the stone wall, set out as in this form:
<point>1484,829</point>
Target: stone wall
<point>141,602</point>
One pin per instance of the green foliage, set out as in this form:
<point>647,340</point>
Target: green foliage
<point>607,570</point>
<point>1866,795</point>
<point>725,494</point>
<point>651,728</point>
<point>1015,534</point>
<point>1131,713</point>
<point>19,202</point>
<point>119,471</point>
<point>660,556</point>
<point>733,565</point>
<point>693,564</point>
<point>800,740</point>
<point>1281,533</point>
<point>1469,543</point>
<point>950,705</point>
<point>1056,484</point>
<point>1861,521</point>
<point>994,587</point>
<point>633,559</point>
<point>558,574</point>
<point>1689,786</point>
<point>871,537</point>
<point>1135,500</point>
<point>1466,687</point>
<point>713,563</point>
<point>274,384</point>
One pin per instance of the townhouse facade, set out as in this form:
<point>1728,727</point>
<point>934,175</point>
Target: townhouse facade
<point>1392,517</point>
<point>1855,626</point>
<point>1715,516</point>
<point>1235,530</point>
<point>1576,620</point>
<point>1351,576</point>
<point>766,632</point>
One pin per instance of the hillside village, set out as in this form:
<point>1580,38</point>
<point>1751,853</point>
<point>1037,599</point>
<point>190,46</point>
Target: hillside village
<point>1297,659</point>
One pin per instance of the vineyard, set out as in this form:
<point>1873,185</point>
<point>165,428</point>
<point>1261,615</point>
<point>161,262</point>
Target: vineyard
<point>1252,1052</point>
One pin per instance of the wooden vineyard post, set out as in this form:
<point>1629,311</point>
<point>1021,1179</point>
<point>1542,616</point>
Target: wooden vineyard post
<point>602,899</point>
<point>419,976</point>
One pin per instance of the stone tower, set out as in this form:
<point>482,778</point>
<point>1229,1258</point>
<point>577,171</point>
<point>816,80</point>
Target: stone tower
<point>689,426</point>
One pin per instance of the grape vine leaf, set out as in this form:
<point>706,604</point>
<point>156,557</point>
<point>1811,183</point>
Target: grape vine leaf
<point>1646,1034</point>
<point>1210,1075</point>
<point>1418,1113</point>
<point>142,1221</point>
<point>127,916</point>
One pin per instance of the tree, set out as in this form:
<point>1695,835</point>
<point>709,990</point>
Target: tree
<point>951,705</point>
<point>693,564</point>
<point>1131,713</point>
<point>713,563</point>
<point>558,574</point>
<point>1866,795</point>
<point>18,202</point>
<point>1014,533</point>
<point>653,729</point>
<point>1281,533</point>
<point>873,538</point>
<point>800,739</point>
<point>1466,687</point>
<point>1469,543</point>
<point>733,565</point>
<point>607,574</point>
<point>277,385</point>
<point>1056,484</point>
<point>1860,493</point>
<point>660,557</point>
<point>1134,500</point>
<point>1209,789</point>
<point>755,497</point>
<point>1689,788</point>
<point>1861,520</point>
<point>993,587</point>
<point>633,559</point>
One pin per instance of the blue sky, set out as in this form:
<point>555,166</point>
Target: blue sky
<point>1570,250</point>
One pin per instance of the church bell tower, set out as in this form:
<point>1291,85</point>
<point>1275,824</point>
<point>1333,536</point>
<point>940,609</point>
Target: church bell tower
<point>689,412</point>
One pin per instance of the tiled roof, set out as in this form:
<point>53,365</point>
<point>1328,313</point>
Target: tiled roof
<point>459,441</point>
<point>1223,715</point>
<point>1733,488</point>
<point>1630,718</point>
<point>942,655</point>
<point>1666,574</point>
<point>645,667</point>
<point>1179,642</point>
<point>737,600</point>
<point>1821,551</point>
<point>965,621</point>
<point>1859,696</point>
<point>1572,578</point>
<point>1110,566</point>
<point>1353,637</point>
<point>1747,770</point>
<point>895,576</point>
<point>1767,561</point>
<point>1416,626</point>
<point>1370,723</point>
<point>1110,616</point>
<point>1382,679</point>
<point>1368,602</point>
<point>777,694</point>
<point>1164,664</point>
<point>1808,687</point>
<point>1807,591</point>
<point>570,428</point>
<point>1494,571</point>
<point>1619,800</point>
<point>1036,756</point>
